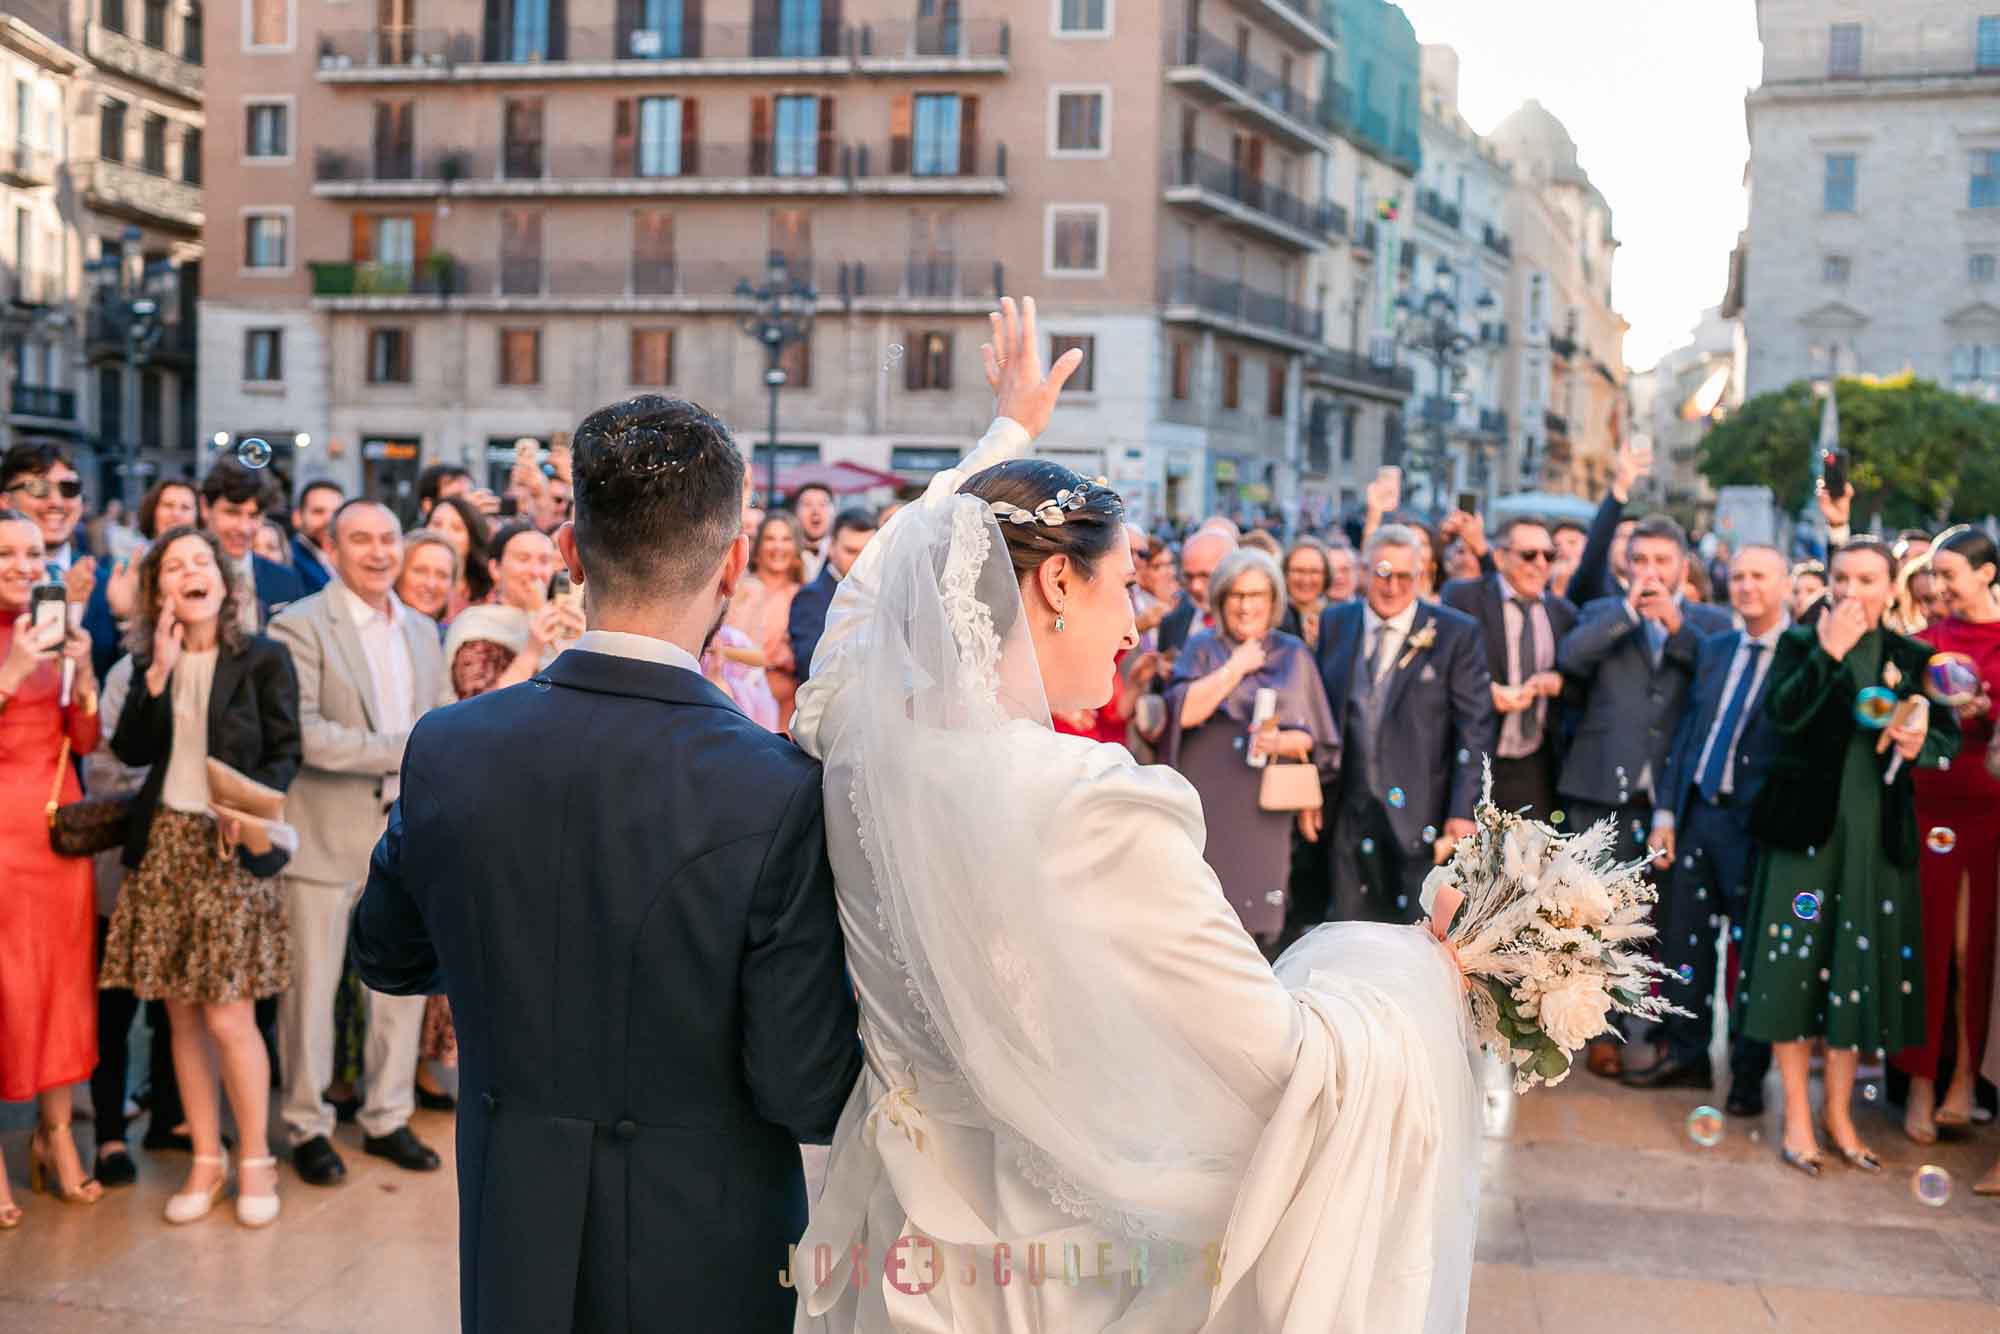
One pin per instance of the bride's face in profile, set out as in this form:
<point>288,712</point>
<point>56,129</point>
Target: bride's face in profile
<point>1078,662</point>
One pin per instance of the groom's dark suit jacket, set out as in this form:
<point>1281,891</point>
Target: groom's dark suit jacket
<point>622,884</point>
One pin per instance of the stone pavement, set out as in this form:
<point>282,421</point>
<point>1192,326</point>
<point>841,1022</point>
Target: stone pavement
<point>1600,1214</point>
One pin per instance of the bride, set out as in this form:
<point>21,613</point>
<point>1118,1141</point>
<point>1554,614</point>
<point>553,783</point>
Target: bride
<point>1089,1104</point>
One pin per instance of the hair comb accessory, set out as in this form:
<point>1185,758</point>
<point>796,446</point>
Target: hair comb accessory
<point>1050,512</point>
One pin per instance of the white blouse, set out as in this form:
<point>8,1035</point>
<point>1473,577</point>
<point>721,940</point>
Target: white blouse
<point>186,786</point>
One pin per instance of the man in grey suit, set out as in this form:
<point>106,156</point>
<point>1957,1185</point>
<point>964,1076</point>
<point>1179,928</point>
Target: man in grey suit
<point>368,669</point>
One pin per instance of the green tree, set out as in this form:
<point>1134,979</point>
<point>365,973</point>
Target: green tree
<point>1917,453</point>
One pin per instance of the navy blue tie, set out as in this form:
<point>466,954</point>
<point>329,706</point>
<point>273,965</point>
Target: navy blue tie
<point>1710,782</point>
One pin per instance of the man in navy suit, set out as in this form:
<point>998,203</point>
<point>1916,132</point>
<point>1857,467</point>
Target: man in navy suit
<point>622,884</point>
<point>1634,654</point>
<point>1521,622</point>
<point>1408,685</point>
<point>311,558</point>
<point>234,497</point>
<point>1721,753</point>
<point>851,531</point>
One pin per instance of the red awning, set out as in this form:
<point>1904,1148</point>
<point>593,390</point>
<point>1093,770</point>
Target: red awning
<point>842,478</point>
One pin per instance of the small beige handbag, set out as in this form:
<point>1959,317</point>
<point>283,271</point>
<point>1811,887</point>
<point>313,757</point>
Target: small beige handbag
<point>1290,787</point>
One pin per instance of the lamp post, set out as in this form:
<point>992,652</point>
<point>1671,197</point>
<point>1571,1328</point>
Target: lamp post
<point>130,314</point>
<point>777,313</point>
<point>1430,328</point>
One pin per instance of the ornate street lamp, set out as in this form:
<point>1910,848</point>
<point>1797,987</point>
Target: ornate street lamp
<point>1430,327</point>
<point>777,313</point>
<point>129,313</point>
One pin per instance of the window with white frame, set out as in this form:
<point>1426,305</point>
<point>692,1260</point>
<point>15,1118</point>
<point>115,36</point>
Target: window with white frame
<point>1838,191</point>
<point>266,241</point>
<point>1079,123</point>
<point>1843,51</point>
<point>267,24</point>
<point>263,355</point>
<point>1082,17</point>
<point>1975,368</point>
<point>659,136</point>
<point>267,130</point>
<point>1075,240</point>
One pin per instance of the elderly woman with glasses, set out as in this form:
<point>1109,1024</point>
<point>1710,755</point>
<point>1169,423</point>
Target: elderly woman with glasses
<point>1213,736</point>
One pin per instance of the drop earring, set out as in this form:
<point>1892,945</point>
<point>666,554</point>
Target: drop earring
<point>1059,622</point>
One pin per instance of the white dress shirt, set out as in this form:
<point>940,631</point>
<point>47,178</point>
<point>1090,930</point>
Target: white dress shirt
<point>644,648</point>
<point>1386,636</point>
<point>390,672</point>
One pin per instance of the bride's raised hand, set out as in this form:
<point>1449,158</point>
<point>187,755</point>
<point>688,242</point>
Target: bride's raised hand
<point>1021,389</point>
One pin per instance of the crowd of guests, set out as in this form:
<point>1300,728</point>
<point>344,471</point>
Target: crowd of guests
<point>1339,703</point>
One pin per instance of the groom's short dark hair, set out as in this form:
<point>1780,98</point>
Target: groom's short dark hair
<point>659,496</point>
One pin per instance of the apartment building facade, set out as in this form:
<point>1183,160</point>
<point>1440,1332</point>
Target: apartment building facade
<point>441,225</point>
<point>100,180</point>
<point>1873,244</point>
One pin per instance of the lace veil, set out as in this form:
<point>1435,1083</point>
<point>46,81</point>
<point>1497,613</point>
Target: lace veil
<point>992,898</point>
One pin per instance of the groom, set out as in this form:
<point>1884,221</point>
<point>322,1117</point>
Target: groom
<point>622,884</point>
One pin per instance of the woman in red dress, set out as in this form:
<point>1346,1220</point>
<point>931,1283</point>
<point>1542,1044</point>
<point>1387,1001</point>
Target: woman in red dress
<point>1958,813</point>
<point>48,981</point>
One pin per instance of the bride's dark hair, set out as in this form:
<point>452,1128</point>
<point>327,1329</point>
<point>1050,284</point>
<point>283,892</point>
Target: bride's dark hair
<point>1085,533</point>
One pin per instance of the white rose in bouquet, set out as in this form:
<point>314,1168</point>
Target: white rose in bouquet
<point>1590,903</point>
<point>1575,1011</point>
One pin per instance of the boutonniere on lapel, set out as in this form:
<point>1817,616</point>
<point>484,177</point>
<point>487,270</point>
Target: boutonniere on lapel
<point>1892,676</point>
<point>1419,642</point>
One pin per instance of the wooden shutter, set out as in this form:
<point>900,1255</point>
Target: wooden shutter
<point>760,135</point>
<point>968,136</point>
<point>690,135</point>
<point>420,243</point>
<point>362,237</point>
<point>825,135</point>
<point>913,359</point>
<point>945,359</point>
<point>623,157</point>
<point>899,135</point>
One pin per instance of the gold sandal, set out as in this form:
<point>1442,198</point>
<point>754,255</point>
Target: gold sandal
<point>42,1175</point>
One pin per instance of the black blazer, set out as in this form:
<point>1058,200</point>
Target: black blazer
<point>253,727</point>
<point>807,621</point>
<point>1438,707</point>
<point>1481,599</point>
<point>622,884</point>
<point>1177,624</point>
<point>1809,699</point>
<point>1756,747</point>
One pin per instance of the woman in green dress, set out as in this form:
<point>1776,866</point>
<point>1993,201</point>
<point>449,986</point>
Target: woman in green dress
<point>1833,949</point>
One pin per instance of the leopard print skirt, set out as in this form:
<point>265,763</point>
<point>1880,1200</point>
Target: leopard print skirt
<point>191,925</point>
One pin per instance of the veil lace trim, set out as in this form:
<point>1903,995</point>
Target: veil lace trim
<point>971,619</point>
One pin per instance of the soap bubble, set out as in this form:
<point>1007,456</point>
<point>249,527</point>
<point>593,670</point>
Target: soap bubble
<point>1687,972</point>
<point>254,452</point>
<point>1952,679</point>
<point>1931,1185</point>
<point>1704,1126</point>
<point>1942,839</point>
<point>1870,1092</point>
<point>1874,706</point>
<point>1367,846</point>
<point>895,355</point>
<point>1396,798</point>
<point>1430,833</point>
<point>1806,905</point>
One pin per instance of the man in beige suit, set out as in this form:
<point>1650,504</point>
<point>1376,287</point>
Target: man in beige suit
<point>368,668</point>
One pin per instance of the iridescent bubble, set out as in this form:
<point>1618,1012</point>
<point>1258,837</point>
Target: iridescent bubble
<point>1430,833</point>
<point>1464,756</point>
<point>1870,1092</point>
<point>1874,706</point>
<point>1806,905</point>
<point>1704,1126</point>
<point>1402,900</point>
<point>1396,798</point>
<point>1941,839</point>
<point>1931,1185</point>
<point>895,351</point>
<point>254,452</point>
<point>1367,845</point>
<point>1952,679</point>
<point>1687,972</point>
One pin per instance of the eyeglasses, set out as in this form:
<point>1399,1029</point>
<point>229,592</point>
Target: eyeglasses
<point>1249,597</point>
<point>1385,573</point>
<point>38,488</point>
<point>1535,553</point>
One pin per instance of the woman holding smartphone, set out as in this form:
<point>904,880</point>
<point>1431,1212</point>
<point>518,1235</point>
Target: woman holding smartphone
<point>48,1009</point>
<point>506,641</point>
<point>197,924</point>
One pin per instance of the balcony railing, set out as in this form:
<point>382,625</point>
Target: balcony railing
<point>1435,205</point>
<point>939,279</point>
<point>1297,17</point>
<point>1497,241</point>
<point>904,155</point>
<point>1366,235</point>
<point>36,400</point>
<point>1205,50</point>
<point>1367,127</point>
<point>132,190</point>
<point>1564,347</point>
<point>1492,421</point>
<point>675,167</point>
<point>934,39</point>
<point>1194,168</point>
<point>142,61</point>
<point>25,165</point>
<point>1556,424</point>
<point>436,52</point>
<point>1342,364</point>
<point>1232,299</point>
<point>437,276</point>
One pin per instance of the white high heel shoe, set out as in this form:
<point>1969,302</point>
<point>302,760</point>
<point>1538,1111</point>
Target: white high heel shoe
<point>257,1210</point>
<point>189,1206</point>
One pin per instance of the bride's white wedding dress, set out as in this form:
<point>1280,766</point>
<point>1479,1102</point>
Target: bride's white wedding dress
<point>1082,1078</point>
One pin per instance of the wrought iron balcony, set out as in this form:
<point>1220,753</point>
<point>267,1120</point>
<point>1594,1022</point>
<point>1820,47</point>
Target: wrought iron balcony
<point>1231,191</point>
<point>36,400</point>
<point>1434,205</point>
<point>1497,241</point>
<point>628,48</point>
<point>937,45</point>
<point>1556,424</point>
<point>1202,63</point>
<point>1338,363</point>
<point>1190,295</point>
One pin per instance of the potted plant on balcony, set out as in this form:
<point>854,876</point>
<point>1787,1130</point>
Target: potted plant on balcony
<point>440,272</point>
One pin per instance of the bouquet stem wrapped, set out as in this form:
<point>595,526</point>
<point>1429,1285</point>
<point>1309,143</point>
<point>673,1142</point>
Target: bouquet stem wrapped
<point>1549,930</point>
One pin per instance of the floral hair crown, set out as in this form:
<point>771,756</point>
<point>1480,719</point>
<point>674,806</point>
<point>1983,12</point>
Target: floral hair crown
<point>1051,512</point>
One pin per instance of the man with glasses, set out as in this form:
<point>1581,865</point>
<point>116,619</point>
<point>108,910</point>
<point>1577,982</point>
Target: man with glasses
<point>1408,685</point>
<point>1200,555</point>
<point>37,479</point>
<point>1522,622</point>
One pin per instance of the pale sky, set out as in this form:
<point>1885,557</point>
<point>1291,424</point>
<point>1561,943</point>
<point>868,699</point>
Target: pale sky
<point>1652,93</point>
